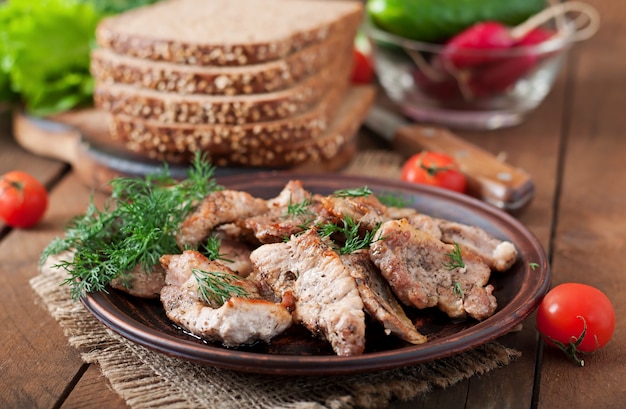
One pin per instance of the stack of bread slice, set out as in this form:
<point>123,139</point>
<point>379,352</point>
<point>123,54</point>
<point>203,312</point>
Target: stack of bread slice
<point>262,83</point>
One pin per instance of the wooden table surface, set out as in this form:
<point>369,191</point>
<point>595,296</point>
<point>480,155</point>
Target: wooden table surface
<point>573,146</point>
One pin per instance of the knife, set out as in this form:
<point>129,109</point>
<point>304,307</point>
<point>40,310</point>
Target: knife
<point>488,178</point>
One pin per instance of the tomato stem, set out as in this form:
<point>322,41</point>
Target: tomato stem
<point>14,184</point>
<point>432,170</point>
<point>571,349</point>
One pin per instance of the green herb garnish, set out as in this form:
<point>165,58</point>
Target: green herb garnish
<point>394,200</point>
<point>456,259</point>
<point>457,289</point>
<point>216,287</point>
<point>212,249</point>
<point>350,229</point>
<point>355,192</point>
<point>533,266</point>
<point>44,51</point>
<point>136,226</point>
<point>298,209</point>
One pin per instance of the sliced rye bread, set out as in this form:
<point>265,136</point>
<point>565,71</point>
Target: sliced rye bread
<point>110,67</point>
<point>174,142</point>
<point>227,32</point>
<point>167,107</point>
<point>340,132</point>
<point>179,145</point>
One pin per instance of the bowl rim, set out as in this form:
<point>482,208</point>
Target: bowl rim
<point>562,40</point>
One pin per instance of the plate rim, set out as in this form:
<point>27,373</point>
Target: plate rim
<point>478,334</point>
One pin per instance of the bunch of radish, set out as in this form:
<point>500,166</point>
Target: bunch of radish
<point>489,58</point>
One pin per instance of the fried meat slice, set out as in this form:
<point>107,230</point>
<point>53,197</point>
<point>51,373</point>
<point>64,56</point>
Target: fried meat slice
<point>327,301</point>
<point>233,252</point>
<point>141,283</point>
<point>221,206</point>
<point>421,272</point>
<point>292,192</point>
<point>499,255</point>
<point>378,298</point>
<point>241,319</point>
<point>367,210</point>
<point>291,212</point>
<point>280,223</point>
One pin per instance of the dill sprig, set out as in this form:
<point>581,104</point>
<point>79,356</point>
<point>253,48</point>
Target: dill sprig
<point>216,287</point>
<point>135,227</point>
<point>456,258</point>
<point>391,199</point>
<point>212,249</point>
<point>301,213</point>
<point>350,229</point>
<point>457,289</point>
<point>295,209</point>
<point>354,192</point>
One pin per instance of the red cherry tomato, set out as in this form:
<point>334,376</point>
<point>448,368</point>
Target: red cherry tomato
<point>435,169</point>
<point>362,69</point>
<point>23,200</point>
<point>576,318</point>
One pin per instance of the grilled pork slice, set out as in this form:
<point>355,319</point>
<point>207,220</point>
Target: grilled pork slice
<point>141,283</point>
<point>366,210</point>
<point>499,255</point>
<point>378,298</point>
<point>234,253</point>
<point>327,301</point>
<point>222,206</point>
<point>292,192</point>
<point>291,212</point>
<point>421,272</point>
<point>426,223</point>
<point>242,319</point>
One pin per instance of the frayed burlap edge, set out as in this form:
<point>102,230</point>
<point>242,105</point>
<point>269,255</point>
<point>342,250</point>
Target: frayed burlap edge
<point>147,379</point>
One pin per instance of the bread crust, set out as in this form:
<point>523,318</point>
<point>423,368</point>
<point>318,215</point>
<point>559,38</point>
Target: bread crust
<point>254,35</point>
<point>316,135</point>
<point>168,107</point>
<point>109,67</point>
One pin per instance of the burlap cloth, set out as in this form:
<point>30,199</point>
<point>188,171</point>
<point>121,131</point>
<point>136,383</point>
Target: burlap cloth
<point>147,379</point>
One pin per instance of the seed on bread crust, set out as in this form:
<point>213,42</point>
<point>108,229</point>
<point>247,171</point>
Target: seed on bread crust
<point>317,140</point>
<point>169,107</point>
<point>264,30</point>
<point>109,68</point>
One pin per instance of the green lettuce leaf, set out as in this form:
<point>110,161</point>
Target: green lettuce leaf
<point>44,51</point>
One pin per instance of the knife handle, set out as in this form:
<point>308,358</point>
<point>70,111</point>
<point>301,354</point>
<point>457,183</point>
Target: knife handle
<point>488,178</point>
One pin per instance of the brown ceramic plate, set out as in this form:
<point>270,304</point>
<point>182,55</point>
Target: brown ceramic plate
<point>518,291</point>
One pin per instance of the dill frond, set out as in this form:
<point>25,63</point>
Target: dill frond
<point>349,229</point>
<point>456,258</point>
<point>216,287</point>
<point>136,226</point>
<point>362,191</point>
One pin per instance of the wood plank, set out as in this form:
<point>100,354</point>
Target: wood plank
<point>93,384</point>
<point>37,362</point>
<point>589,241</point>
<point>36,368</point>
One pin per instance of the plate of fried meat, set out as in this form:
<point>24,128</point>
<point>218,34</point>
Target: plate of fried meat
<point>318,274</point>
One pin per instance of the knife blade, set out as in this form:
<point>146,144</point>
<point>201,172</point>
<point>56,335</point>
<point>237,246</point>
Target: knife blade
<point>488,178</point>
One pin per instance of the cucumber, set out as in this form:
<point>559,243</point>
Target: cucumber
<point>435,21</point>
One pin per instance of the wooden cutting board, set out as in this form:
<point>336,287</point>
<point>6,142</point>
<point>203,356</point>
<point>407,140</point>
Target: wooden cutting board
<point>81,138</point>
